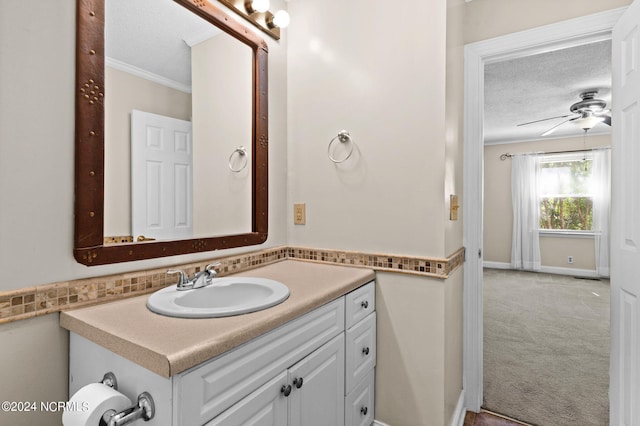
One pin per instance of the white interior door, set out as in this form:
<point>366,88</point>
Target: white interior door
<point>161,177</point>
<point>625,233</point>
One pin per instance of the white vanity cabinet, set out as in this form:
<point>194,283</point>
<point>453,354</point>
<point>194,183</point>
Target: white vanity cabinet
<point>317,369</point>
<point>304,394</point>
<point>360,362</point>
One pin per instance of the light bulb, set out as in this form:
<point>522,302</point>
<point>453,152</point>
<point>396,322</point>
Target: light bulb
<point>260,5</point>
<point>281,19</point>
<point>588,122</point>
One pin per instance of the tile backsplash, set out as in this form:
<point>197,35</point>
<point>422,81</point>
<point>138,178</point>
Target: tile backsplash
<point>40,300</point>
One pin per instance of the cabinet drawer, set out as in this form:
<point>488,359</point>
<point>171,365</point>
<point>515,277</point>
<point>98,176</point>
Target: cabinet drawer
<point>359,404</point>
<point>211,388</point>
<point>360,303</point>
<point>361,351</point>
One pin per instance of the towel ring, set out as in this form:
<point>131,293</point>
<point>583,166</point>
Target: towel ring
<point>344,137</point>
<point>242,152</point>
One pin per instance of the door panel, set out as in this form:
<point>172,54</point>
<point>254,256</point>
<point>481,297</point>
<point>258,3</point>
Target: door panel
<point>320,399</point>
<point>625,256</point>
<point>161,177</point>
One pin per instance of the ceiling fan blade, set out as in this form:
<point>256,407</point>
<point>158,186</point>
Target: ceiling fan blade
<point>553,129</point>
<point>607,120</point>
<point>544,119</point>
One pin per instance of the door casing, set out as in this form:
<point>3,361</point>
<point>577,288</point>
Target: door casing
<point>574,32</point>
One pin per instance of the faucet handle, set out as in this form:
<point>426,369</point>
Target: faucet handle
<point>211,269</point>
<point>183,279</point>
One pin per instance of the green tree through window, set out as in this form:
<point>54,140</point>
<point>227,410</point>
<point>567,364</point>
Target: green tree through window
<point>565,193</point>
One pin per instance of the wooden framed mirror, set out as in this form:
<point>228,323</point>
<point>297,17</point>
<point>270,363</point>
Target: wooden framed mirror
<point>91,244</point>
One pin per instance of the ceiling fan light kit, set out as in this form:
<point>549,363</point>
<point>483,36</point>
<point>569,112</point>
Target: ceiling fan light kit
<point>590,111</point>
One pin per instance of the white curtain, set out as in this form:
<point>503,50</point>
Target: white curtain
<point>525,243</point>
<point>601,175</point>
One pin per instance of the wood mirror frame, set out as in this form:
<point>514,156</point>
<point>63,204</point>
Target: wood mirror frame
<point>89,246</point>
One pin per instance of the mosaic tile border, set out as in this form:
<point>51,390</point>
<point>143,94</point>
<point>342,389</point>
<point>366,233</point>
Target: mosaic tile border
<point>49,298</point>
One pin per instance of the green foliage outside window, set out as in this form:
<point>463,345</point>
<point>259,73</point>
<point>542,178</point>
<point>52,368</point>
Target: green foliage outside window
<point>566,201</point>
<point>570,213</point>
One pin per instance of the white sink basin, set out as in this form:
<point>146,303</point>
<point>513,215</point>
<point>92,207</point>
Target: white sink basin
<point>225,297</point>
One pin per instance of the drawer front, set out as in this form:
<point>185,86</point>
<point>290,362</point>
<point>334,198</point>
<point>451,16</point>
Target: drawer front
<point>359,404</point>
<point>211,388</point>
<point>361,351</point>
<point>360,303</point>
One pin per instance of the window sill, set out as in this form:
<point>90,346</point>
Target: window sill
<point>566,233</point>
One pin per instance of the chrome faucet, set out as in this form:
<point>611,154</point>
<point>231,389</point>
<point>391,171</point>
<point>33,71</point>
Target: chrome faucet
<point>199,279</point>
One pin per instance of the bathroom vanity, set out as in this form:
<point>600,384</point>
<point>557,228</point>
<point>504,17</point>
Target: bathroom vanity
<point>307,361</point>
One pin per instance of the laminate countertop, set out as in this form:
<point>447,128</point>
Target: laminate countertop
<point>168,345</point>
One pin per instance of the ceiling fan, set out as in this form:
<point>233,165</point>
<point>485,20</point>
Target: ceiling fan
<point>586,113</point>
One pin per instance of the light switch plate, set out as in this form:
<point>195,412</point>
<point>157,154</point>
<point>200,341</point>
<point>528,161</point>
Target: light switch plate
<point>453,207</point>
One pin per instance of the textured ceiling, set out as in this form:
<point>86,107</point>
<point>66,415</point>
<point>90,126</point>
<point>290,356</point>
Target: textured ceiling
<point>541,86</point>
<point>151,34</point>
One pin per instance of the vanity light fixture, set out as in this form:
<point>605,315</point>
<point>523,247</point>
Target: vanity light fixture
<point>257,12</point>
<point>256,6</point>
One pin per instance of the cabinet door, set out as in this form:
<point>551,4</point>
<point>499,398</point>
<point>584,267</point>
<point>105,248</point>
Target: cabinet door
<point>267,406</point>
<point>317,398</point>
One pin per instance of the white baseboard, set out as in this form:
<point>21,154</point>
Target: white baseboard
<point>456,420</point>
<point>460,412</point>
<point>496,265</point>
<point>587,273</point>
<point>574,272</point>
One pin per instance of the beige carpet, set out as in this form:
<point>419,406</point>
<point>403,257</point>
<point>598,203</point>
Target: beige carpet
<point>546,348</point>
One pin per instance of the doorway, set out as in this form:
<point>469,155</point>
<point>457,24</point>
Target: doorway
<point>571,33</point>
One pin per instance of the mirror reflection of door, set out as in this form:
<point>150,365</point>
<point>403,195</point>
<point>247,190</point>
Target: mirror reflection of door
<point>161,177</point>
<point>163,59</point>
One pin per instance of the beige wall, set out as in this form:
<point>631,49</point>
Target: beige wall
<point>498,212</point>
<point>389,89</point>
<point>222,119</point>
<point>389,93</point>
<point>454,121</point>
<point>37,68</point>
<point>124,93</point>
<point>403,109</point>
<point>410,374</point>
<point>486,19</point>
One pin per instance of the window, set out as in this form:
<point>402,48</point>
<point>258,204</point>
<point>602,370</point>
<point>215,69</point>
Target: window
<point>566,192</point>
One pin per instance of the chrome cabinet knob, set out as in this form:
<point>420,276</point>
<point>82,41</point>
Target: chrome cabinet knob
<point>365,304</point>
<point>365,350</point>
<point>364,411</point>
<point>298,382</point>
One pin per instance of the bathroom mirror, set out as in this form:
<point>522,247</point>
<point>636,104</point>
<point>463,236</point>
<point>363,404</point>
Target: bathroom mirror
<point>214,82</point>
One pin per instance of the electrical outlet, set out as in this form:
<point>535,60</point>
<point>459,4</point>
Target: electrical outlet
<point>299,214</point>
<point>569,259</point>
